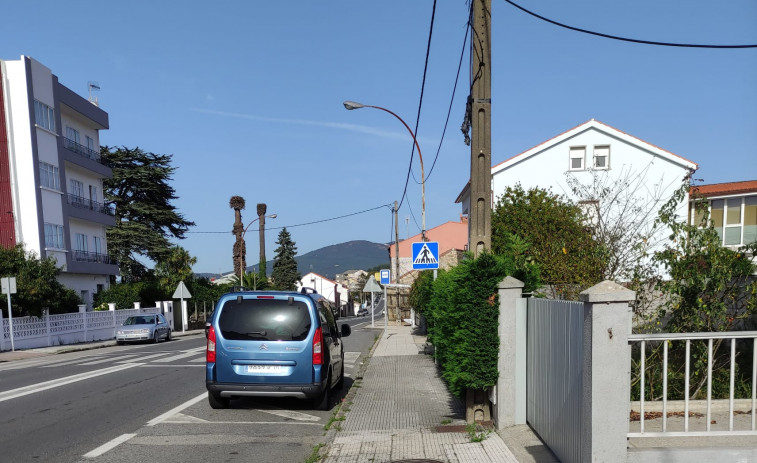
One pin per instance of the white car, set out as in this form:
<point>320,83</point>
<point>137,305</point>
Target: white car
<point>152,327</point>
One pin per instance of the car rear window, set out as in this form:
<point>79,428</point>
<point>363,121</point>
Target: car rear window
<point>264,320</point>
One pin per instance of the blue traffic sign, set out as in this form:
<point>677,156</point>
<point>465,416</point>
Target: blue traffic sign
<point>385,277</point>
<point>425,255</point>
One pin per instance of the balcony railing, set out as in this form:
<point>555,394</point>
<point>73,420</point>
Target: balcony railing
<point>86,203</point>
<point>83,150</point>
<point>84,256</point>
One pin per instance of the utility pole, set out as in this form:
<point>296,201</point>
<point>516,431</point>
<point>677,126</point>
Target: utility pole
<point>397,261</point>
<point>480,210</point>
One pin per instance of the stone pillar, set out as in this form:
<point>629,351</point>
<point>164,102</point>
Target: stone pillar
<point>606,373</point>
<point>138,305</point>
<point>509,395</point>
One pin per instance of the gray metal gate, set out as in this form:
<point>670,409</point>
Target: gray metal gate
<point>554,368</point>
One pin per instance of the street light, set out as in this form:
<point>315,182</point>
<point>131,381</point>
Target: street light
<point>350,105</point>
<point>241,267</point>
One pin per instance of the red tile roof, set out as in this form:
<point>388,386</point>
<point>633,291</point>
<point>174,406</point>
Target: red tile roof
<point>730,188</point>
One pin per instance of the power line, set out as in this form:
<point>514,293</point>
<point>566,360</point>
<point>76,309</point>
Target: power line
<point>302,224</point>
<point>625,39</point>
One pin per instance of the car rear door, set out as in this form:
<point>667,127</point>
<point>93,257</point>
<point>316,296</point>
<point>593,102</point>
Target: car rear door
<point>331,338</point>
<point>264,339</point>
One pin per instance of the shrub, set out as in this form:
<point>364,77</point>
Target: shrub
<point>463,317</point>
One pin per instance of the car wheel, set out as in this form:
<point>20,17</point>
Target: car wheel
<point>322,401</point>
<point>119,343</point>
<point>217,402</point>
<point>155,337</point>
<point>168,335</point>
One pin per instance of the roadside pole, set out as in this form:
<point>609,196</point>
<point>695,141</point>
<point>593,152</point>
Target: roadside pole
<point>9,287</point>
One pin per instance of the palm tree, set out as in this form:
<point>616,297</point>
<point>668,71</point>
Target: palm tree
<point>262,208</point>
<point>240,250</point>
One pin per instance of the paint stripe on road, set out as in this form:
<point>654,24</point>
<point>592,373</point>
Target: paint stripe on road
<point>186,354</point>
<point>176,410</point>
<point>292,415</point>
<point>39,387</point>
<point>111,359</point>
<point>109,446</point>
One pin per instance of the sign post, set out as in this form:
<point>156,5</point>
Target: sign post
<point>371,286</point>
<point>181,293</point>
<point>9,287</point>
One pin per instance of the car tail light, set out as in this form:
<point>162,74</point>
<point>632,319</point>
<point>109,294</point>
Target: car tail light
<point>318,347</point>
<point>210,353</point>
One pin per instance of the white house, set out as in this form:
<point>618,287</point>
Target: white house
<point>51,175</point>
<point>591,158</point>
<point>326,288</point>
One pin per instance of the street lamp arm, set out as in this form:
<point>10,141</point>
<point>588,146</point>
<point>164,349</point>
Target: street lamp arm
<point>350,105</point>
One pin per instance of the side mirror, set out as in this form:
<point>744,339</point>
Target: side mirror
<point>346,330</point>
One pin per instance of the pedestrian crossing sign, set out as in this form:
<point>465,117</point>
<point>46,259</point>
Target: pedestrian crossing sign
<point>425,255</point>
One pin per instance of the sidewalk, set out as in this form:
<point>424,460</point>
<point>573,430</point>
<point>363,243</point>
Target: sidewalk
<point>401,410</point>
<point>23,354</point>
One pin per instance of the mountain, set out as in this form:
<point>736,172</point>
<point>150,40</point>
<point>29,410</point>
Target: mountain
<point>337,258</point>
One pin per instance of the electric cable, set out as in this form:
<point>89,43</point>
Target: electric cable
<point>626,39</point>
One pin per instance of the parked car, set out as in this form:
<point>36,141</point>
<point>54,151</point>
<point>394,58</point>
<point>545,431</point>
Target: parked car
<point>274,344</point>
<point>152,327</point>
<point>362,312</point>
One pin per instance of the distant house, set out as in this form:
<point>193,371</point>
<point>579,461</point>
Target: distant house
<point>733,210</point>
<point>330,289</point>
<point>453,241</point>
<point>351,278</point>
<point>585,159</point>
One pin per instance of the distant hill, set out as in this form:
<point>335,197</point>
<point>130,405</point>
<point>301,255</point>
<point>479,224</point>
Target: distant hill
<point>337,258</point>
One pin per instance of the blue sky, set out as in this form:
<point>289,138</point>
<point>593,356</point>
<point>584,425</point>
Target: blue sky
<point>247,97</point>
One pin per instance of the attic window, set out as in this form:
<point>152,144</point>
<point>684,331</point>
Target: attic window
<point>577,156</point>
<point>602,157</point>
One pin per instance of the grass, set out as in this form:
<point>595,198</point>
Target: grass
<point>446,421</point>
<point>476,433</point>
<point>314,455</point>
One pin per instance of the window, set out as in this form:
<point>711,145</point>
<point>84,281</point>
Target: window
<point>735,220</point>
<point>76,188</point>
<point>54,236</point>
<point>98,248</point>
<point>577,156</point>
<point>72,134</point>
<point>49,176</point>
<point>601,157</point>
<point>90,143</point>
<point>44,116</point>
<point>81,242</point>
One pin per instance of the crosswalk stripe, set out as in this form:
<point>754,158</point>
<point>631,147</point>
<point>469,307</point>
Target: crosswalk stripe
<point>190,353</point>
<point>110,359</point>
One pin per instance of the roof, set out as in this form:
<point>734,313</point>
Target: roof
<point>595,124</point>
<point>720,189</point>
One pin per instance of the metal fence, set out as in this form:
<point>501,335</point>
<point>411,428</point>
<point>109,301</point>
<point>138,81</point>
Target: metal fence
<point>554,369</point>
<point>665,339</point>
<point>62,329</point>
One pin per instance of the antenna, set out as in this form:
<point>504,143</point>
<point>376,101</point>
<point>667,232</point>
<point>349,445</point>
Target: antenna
<point>91,85</point>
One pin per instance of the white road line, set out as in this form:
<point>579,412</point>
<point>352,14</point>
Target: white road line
<point>111,359</point>
<point>31,389</point>
<point>151,356</point>
<point>109,446</point>
<point>176,410</point>
<point>70,362</point>
<point>292,415</point>
<point>154,365</point>
<point>186,354</point>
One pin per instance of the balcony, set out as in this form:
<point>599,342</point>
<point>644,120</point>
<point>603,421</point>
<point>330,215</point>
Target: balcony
<point>82,150</point>
<point>84,256</point>
<point>85,203</point>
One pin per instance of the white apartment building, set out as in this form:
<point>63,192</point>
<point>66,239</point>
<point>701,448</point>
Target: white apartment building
<point>51,175</point>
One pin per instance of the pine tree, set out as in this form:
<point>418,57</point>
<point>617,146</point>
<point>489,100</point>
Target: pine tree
<point>285,274</point>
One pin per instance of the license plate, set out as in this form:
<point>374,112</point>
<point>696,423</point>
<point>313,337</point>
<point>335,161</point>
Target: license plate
<point>264,368</point>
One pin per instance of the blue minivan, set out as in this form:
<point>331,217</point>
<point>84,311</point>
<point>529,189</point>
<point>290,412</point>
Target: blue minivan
<point>274,344</point>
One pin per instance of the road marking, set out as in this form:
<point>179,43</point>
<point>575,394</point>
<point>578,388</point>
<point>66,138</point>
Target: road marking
<point>186,354</point>
<point>151,356</point>
<point>70,362</point>
<point>31,389</point>
<point>109,446</point>
<point>176,410</point>
<point>153,365</point>
<point>111,359</point>
<point>292,415</point>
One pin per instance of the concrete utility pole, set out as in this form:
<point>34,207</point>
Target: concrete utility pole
<point>479,220</point>
<point>396,247</point>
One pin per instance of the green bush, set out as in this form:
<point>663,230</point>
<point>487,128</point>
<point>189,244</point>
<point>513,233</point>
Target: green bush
<point>462,314</point>
<point>126,294</point>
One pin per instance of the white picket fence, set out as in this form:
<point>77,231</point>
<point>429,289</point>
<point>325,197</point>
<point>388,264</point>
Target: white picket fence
<point>64,329</point>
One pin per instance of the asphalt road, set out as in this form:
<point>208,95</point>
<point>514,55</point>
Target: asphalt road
<point>146,402</point>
